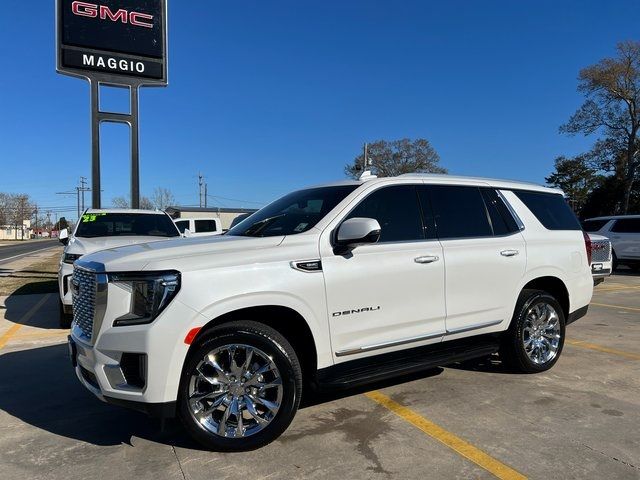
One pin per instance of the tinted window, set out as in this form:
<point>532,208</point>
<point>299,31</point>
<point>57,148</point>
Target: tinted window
<point>396,210</point>
<point>627,225</point>
<point>459,212</point>
<point>593,225</point>
<point>550,209</point>
<point>294,213</point>
<point>125,224</point>
<point>182,225</point>
<point>502,220</point>
<point>205,226</point>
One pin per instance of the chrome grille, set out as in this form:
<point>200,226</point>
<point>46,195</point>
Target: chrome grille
<point>600,251</point>
<point>83,285</point>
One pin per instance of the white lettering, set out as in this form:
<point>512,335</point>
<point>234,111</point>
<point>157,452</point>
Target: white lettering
<point>111,63</point>
<point>100,62</point>
<point>88,60</point>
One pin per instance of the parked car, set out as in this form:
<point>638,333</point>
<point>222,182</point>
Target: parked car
<point>329,287</point>
<point>100,229</point>
<point>624,233</point>
<point>601,258</point>
<point>199,227</point>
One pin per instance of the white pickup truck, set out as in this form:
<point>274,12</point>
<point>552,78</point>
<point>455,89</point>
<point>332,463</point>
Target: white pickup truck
<point>329,287</point>
<point>199,227</point>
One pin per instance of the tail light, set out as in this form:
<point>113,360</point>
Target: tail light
<point>587,244</point>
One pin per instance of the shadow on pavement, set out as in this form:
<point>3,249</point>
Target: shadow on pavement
<point>18,304</point>
<point>39,387</point>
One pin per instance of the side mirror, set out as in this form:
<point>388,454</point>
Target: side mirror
<point>187,233</point>
<point>354,232</point>
<point>63,237</point>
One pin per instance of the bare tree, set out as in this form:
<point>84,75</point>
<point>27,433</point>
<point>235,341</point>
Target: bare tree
<point>612,110</point>
<point>125,202</point>
<point>162,198</point>
<point>391,158</point>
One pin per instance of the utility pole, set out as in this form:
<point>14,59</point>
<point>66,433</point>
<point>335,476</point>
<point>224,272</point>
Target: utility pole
<point>36,209</point>
<point>83,188</point>
<point>200,185</point>
<point>49,221</point>
<point>206,186</point>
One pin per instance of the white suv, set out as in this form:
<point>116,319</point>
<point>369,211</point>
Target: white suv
<point>330,286</point>
<point>98,229</point>
<point>624,233</point>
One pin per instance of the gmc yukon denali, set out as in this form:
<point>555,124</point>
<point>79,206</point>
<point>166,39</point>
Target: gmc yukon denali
<point>329,287</point>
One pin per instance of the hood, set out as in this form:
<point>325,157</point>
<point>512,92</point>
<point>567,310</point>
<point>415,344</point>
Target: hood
<point>83,246</point>
<point>178,252</point>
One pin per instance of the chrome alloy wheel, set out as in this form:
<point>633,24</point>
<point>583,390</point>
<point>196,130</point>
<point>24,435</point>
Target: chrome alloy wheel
<point>541,333</point>
<point>235,391</point>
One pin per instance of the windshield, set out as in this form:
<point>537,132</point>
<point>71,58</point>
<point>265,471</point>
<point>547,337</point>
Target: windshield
<point>294,213</point>
<point>125,224</point>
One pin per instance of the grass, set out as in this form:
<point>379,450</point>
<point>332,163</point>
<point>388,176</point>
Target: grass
<point>39,277</point>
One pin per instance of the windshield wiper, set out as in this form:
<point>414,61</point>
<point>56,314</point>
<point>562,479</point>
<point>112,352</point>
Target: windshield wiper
<point>256,228</point>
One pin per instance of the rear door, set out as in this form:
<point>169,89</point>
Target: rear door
<point>625,237</point>
<point>484,255</point>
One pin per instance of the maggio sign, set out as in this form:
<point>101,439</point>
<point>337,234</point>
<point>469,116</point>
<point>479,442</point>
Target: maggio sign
<point>123,41</point>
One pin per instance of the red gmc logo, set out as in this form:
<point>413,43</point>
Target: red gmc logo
<point>91,10</point>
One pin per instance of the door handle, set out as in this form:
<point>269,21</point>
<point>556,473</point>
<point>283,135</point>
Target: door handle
<point>509,253</point>
<point>426,259</point>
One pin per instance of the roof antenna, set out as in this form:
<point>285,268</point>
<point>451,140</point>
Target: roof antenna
<point>366,166</point>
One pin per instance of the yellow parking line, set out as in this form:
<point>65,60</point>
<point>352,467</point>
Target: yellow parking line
<point>635,309</point>
<point>12,331</point>
<point>600,348</point>
<point>455,443</point>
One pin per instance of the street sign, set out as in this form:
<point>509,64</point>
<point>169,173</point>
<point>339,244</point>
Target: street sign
<point>120,42</point>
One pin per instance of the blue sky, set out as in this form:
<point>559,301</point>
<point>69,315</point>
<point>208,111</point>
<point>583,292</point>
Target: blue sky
<point>267,96</point>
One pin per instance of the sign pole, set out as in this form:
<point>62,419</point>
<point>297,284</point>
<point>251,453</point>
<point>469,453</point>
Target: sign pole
<point>95,144</point>
<point>135,149</point>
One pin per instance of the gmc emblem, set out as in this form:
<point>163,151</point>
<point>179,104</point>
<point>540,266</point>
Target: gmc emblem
<point>91,10</point>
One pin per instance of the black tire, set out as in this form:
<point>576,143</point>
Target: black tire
<point>614,261</point>
<point>65,319</point>
<point>512,351</point>
<point>267,340</point>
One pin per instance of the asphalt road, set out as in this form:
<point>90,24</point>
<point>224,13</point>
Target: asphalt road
<point>17,249</point>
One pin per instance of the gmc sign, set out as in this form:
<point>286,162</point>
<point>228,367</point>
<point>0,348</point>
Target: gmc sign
<point>115,41</point>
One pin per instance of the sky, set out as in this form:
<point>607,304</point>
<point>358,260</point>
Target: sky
<point>269,96</point>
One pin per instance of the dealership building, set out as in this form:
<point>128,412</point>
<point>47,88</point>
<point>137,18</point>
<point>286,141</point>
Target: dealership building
<point>226,215</point>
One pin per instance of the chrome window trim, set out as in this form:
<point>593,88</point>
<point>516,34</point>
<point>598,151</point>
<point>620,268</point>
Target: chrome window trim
<point>513,213</point>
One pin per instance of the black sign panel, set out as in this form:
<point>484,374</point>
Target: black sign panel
<point>122,39</point>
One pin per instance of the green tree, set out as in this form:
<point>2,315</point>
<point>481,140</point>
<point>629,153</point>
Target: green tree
<point>576,178</point>
<point>612,111</point>
<point>391,158</point>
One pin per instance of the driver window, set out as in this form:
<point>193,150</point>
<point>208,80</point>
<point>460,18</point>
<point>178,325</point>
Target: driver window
<point>396,210</point>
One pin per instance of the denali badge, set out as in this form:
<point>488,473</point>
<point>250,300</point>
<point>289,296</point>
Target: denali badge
<point>91,10</point>
<point>355,310</point>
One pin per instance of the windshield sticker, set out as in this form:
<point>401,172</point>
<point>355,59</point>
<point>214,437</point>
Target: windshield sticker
<point>300,227</point>
<point>91,217</point>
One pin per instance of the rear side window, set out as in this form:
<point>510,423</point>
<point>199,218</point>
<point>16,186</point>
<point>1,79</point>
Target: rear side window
<point>551,210</point>
<point>502,220</point>
<point>396,210</point>
<point>593,225</point>
<point>182,225</point>
<point>627,225</point>
<point>203,226</point>
<point>459,212</point>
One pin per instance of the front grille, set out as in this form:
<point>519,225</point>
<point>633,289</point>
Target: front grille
<point>83,287</point>
<point>600,250</point>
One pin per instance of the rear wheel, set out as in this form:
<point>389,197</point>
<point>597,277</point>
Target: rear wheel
<point>240,387</point>
<point>535,338</point>
<point>614,261</point>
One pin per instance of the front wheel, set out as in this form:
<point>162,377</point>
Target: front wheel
<point>240,387</point>
<point>64,319</point>
<point>535,338</point>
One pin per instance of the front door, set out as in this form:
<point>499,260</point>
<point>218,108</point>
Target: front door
<point>390,294</point>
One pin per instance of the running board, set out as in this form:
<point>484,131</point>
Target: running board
<point>389,365</point>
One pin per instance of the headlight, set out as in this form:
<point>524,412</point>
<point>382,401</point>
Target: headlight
<point>70,257</point>
<point>150,294</point>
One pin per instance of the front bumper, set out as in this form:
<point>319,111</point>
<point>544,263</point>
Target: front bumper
<point>64,285</point>
<point>137,366</point>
